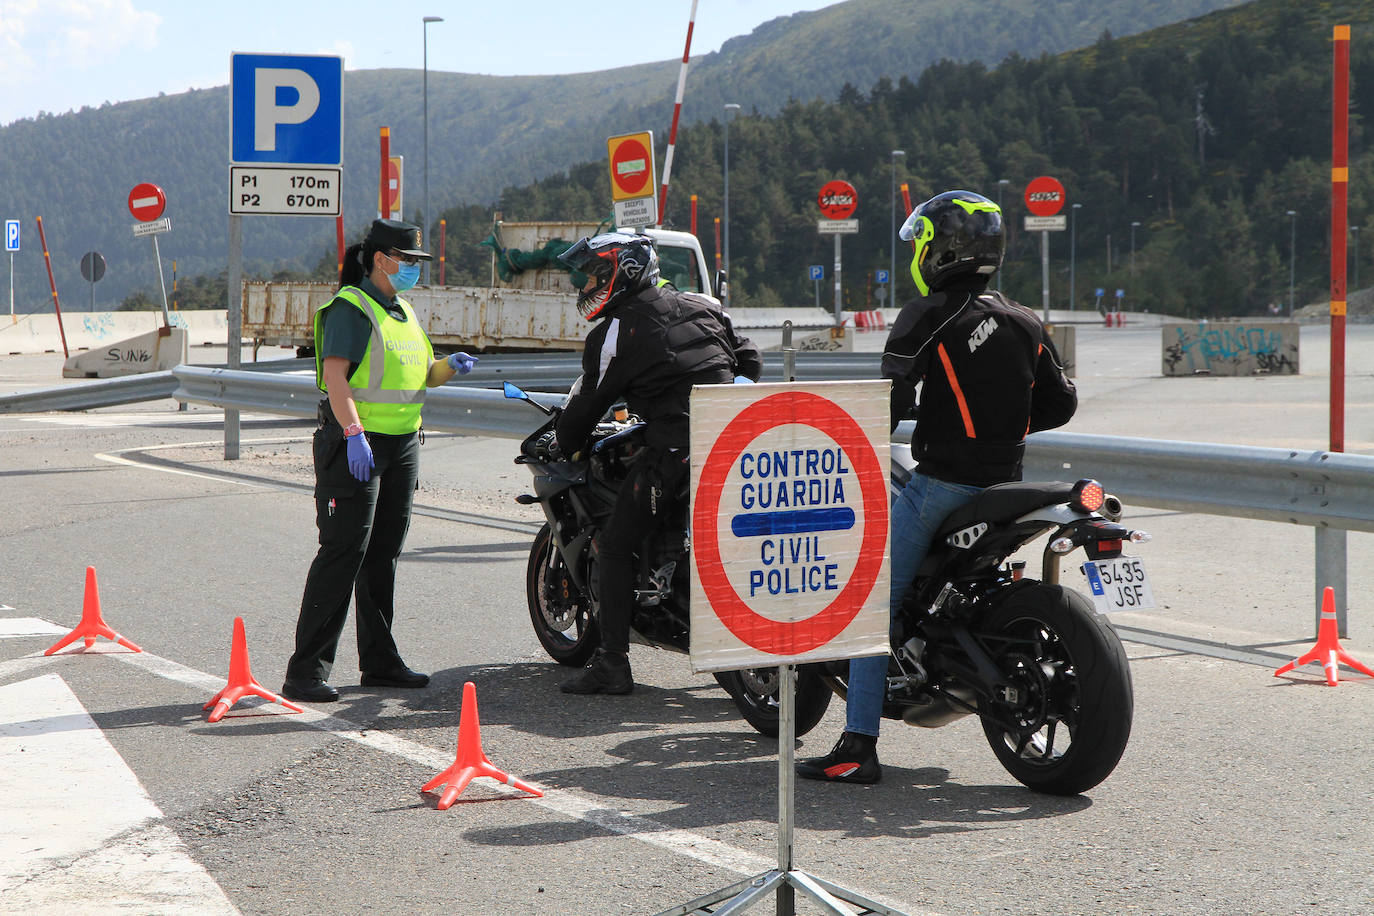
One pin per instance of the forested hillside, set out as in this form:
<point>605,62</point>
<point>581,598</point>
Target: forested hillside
<point>75,170</point>
<point>1205,134</point>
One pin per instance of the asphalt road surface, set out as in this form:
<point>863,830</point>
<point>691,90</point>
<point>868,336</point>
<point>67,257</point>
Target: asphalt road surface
<point>1239,793</point>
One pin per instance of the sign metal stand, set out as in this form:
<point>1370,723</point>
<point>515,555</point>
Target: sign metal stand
<point>785,880</point>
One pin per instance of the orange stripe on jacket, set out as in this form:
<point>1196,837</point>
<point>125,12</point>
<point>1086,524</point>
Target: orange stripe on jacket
<point>958,392</point>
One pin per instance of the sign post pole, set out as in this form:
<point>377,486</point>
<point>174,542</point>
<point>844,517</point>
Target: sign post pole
<point>838,269</point>
<point>235,321</point>
<point>1045,274</point>
<point>161,283</point>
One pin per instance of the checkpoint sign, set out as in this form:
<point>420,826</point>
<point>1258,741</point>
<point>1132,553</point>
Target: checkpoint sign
<point>789,523</point>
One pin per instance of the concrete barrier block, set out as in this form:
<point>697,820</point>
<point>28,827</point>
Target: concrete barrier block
<point>1230,347</point>
<point>164,348</point>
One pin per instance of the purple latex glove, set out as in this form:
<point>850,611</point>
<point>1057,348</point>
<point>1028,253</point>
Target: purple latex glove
<point>461,363</point>
<point>360,461</point>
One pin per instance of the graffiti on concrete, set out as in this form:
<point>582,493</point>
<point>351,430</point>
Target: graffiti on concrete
<point>99,324</point>
<point>1230,348</point>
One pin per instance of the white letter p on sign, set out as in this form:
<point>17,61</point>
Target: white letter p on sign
<point>267,114</point>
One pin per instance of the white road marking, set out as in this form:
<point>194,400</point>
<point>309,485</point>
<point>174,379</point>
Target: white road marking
<point>567,802</point>
<point>81,834</point>
<point>27,626</point>
<point>118,458</point>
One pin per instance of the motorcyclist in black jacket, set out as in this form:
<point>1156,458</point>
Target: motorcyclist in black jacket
<point>989,376</point>
<point>651,345</point>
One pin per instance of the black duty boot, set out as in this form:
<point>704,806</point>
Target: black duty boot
<point>607,672</point>
<point>854,759</point>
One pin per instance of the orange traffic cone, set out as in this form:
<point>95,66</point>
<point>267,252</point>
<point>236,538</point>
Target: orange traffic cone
<point>241,681</point>
<point>1327,652</point>
<point>92,624</point>
<point>471,762</point>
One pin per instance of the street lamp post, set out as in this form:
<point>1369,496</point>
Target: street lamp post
<point>1292,261</point>
<point>1133,225</point>
<point>729,107</point>
<point>1073,249</point>
<point>1000,183</point>
<point>892,239</point>
<point>425,28</point>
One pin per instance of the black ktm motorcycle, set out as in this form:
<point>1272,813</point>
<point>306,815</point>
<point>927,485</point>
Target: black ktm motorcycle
<point>577,495</point>
<point>1035,661</point>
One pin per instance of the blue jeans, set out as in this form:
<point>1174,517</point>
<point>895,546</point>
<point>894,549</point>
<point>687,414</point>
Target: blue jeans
<point>917,513</point>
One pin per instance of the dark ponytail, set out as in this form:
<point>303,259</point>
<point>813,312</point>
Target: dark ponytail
<point>357,264</point>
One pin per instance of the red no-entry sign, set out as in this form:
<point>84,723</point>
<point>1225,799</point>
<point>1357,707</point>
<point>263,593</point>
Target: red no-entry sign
<point>1044,196</point>
<point>837,199</point>
<point>630,166</point>
<point>146,202</point>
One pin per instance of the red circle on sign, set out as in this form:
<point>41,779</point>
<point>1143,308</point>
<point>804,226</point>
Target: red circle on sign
<point>630,166</point>
<point>146,201</point>
<point>837,199</point>
<point>772,636</point>
<point>1044,196</point>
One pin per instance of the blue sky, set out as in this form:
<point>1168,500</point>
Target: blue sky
<point>59,55</point>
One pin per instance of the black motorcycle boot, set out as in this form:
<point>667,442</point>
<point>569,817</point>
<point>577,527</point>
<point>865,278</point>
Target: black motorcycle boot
<point>607,672</point>
<point>853,759</point>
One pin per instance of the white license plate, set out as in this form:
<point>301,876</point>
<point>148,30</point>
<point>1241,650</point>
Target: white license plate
<point>1119,584</point>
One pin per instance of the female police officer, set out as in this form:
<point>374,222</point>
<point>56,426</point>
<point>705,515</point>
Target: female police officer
<point>373,361</point>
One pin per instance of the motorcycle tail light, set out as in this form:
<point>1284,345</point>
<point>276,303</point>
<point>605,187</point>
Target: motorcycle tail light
<point>1087,495</point>
<point>1109,547</point>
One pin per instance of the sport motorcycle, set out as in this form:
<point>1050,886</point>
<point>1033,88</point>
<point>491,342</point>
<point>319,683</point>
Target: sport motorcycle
<point>577,494</point>
<point>1035,661</point>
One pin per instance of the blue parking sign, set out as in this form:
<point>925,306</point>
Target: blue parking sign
<point>816,272</point>
<point>286,108</point>
<point>11,235</point>
<point>1120,293</point>
<point>881,276</point>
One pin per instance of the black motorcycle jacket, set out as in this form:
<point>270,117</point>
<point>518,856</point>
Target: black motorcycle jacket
<point>649,350</point>
<point>989,375</point>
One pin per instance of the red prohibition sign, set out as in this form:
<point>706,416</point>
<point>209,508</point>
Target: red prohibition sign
<point>630,166</point>
<point>772,636</point>
<point>146,201</point>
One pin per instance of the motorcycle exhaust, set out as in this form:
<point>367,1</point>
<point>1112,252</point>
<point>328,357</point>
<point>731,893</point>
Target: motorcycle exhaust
<point>934,711</point>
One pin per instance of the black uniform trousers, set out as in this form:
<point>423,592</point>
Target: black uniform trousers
<point>362,530</point>
<point>650,494</point>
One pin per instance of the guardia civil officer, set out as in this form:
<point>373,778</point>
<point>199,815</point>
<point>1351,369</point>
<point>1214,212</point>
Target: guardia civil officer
<point>374,362</point>
<point>650,346</point>
<point>989,375</point>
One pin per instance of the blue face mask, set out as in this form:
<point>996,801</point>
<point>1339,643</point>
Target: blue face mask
<point>405,277</point>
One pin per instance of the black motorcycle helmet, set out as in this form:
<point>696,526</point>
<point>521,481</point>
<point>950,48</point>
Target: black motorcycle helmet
<point>622,265</point>
<point>953,234</point>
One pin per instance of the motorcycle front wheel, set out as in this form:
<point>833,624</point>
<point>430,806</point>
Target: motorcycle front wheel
<point>560,613</point>
<point>1062,716</point>
<point>755,692</point>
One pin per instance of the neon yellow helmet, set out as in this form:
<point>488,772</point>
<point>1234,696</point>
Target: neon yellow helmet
<point>952,234</point>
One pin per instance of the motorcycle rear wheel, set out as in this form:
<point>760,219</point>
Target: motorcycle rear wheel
<point>755,692</point>
<point>561,615</point>
<point>1069,678</point>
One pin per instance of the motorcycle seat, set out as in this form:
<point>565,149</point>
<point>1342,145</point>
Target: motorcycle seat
<point>1004,502</point>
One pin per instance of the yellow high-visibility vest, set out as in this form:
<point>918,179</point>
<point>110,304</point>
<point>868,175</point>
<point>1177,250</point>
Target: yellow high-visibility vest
<point>389,389</point>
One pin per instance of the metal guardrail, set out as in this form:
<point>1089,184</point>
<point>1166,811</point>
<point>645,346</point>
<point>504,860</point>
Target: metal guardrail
<point>129,389</point>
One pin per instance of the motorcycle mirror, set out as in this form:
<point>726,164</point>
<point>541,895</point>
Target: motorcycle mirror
<point>514,391</point>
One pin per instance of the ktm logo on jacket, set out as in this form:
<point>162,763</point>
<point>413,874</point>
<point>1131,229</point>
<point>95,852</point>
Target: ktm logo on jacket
<point>981,333</point>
